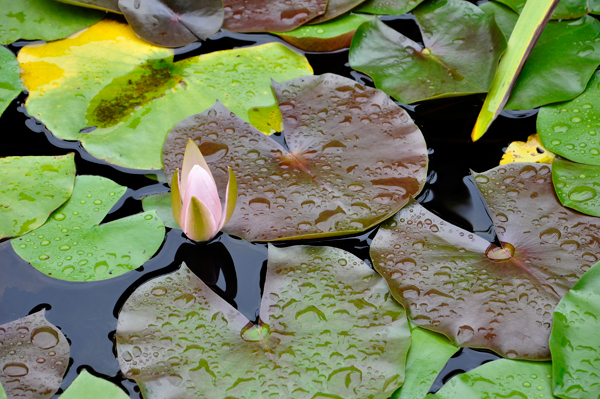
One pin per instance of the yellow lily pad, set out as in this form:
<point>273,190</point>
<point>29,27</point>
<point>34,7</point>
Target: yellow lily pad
<point>530,151</point>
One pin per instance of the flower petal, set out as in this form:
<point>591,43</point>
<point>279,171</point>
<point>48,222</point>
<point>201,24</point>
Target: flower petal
<point>199,223</point>
<point>201,185</point>
<point>192,157</point>
<point>176,199</point>
<point>230,199</point>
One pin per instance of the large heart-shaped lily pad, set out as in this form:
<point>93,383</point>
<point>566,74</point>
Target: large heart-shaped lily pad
<point>34,355</point>
<point>31,188</point>
<point>133,93</point>
<point>572,129</point>
<point>354,159</point>
<point>42,19</point>
<point>463,46</point>
<point>566,9</point>
<point>577,186</point>
<point>475,293</point>
<point>10,82</point>
<point>561,63</point>
<point>387,7</point>
<point>574,340</point>
<point>73,245</point>
<point>502,378</point>
<point>329,329</point>
<point>87,386</point>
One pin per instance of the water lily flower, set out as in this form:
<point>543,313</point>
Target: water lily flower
<point>195,199</point>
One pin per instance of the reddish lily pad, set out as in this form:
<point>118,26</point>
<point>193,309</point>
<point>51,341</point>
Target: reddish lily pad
<point>354,160</point>
<point>475,293</point>
<point>328,328</point>
<point>335,8</point>
<point>34,355</point>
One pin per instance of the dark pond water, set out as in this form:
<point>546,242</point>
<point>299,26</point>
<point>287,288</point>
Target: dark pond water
<point>87,312</point>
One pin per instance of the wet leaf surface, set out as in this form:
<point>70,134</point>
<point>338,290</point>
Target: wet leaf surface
<point>10,82</point>
<point>33,357</point>
<point>328,36</point>
<point>161,204</point>
<point>566,9</point>
<point>574,340</point>
<point>173,23</point>
<point>42,19</point>
<point>87,386</point>
<point>316,301</point>
<point>462,49</point>
<point>502,378</point>
<point>571,129</point>
<point>31,188</point>
<point>106,5</point>
<point>73,245</point>
<point>354,159</point>
<point>270,15</point>
<point>123,95</point>
<point>477,294</point>
<point>577,186</point>
<point>335,8</point>
<point>387,7</point>
<point>530,151</point>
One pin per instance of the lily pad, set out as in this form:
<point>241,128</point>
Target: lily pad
<point>335,8</point>
<point>530,151</point>
<point>34,355</point>
<point>270,15</point>
<point>574,340</point>
<point>463,46</point>
<point>577,186</point>
<point>354,159</point>
<point>133,93</point>
<point>571,129</point>
<point>161,204</point>
<point>42,19</point>
<point>387,7</point>
<point>559,66</point>
<point>328,328</point>
<point>105,5</point>
<point>73,245</point>
<point>87,386</point>
<point>10,82</point>
<point>566,9</point>
<point>456,283</point>
<point>329,36</point>
<point>31,188</point>
<point>502,378</point>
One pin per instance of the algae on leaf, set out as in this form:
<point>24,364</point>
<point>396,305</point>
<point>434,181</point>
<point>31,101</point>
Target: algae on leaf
<point>10,82</point>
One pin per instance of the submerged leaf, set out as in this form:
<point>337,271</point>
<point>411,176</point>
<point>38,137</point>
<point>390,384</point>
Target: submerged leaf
<point>73,246</point>
<point>354,159</point>
<point>328,328</point>
<point>475,293</point>
<point>572,129</point>
<point>387,7</point>
<point>133,93</point>
<point>10,82</point>
<point>87,386</point>
<point>577,186</point>
<point>34,355</point>
<point>530,151</point>
<point>31,188</point>
<point>574,340</point>
<point>566,9</point>
<point>463,46</point>
<point>335,8</point>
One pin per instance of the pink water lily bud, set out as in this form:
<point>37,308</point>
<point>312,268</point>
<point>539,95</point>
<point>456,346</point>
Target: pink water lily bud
<point>195,199</point>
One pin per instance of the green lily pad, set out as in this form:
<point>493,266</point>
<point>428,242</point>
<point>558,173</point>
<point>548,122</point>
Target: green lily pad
<point>559,66</point>
<point>328,329</point>
<point>34,355</point>
<point>354,159</point>
<point>574,340</point>
<point>328,36</point>
<point>2,392</point>
<point>570,129</point>
<point>31,188</point>
<point>502,378</point>
<point>73,245</point>
<point>87,386</point>
<point>387,7</point>
<point>566,9</point>
<point>133,93</point>
<point>10,82</point>
<point>105,5</point>
<point>335,8</point>
<point>577,186</point>
<point>161,204</point>
<point>42,19</point>
<point>478,295</point>
<point>463,46</point>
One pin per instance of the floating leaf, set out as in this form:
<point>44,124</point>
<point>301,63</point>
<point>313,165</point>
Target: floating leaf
<point>2,393</point>
<point>566,9</point>
<point>530,151</point>
<point>73,246</point>
<point>33,357</point>
<point>329,36</point>
<point>577,186</point>
<point>561,63</point>
<point>87,386</point>
<point>475,293</point>
<point>570,129</point>
<point>329,328</point>
<point>502,378</point>
<point>31,188</point>
<point>335,8</point>
<point>161,204</point>
<point>270,15</point>
<point>463,46</point>
<point>133,93</point>
<point>42,19</point>
<point>387,7</point>
<point>574,340</point>
<point>354,159</point>
<point>105,5</point>
<point>10,82</point>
